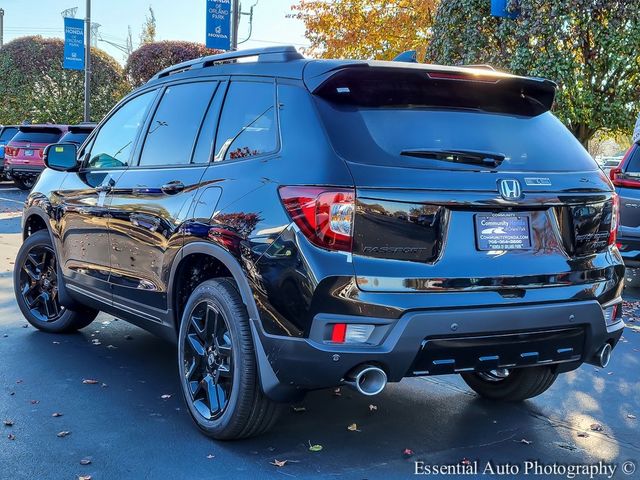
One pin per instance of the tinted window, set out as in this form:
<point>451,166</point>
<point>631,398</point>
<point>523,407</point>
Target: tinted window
<point>247,125</point>
<point>45,136</point>
<point>7,134</point>
<point>633,165</point>
<point>113,143</point>
<point>175,124</point>
<point>379,135</point>
<point>78,138</point>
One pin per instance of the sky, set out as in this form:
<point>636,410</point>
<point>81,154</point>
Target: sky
<point>176,20</point>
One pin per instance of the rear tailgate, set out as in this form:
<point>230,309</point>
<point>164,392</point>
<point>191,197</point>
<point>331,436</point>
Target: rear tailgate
<point>464,181</point>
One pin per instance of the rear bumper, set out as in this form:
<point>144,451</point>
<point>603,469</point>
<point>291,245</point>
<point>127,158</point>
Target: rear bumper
<point>437,342</point>
<point>13,171</point>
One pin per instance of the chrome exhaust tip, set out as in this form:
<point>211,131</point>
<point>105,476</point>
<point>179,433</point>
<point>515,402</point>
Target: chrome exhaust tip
<point>604,355</point>
<point>367,380</point>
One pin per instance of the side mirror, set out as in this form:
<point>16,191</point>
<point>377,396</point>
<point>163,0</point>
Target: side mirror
<point>61,156</point>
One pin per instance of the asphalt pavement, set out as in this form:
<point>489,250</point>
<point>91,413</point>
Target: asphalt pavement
<point>131,422</point>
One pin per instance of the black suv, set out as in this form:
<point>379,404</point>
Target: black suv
<point>298,224</point>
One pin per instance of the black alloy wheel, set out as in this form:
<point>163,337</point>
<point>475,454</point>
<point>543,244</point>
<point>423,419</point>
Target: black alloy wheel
<point>208,360</point>
<point>39,284</point>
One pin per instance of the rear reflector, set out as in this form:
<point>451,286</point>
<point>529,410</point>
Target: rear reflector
<point>610,314</point>
<point>325,216</point>
<point>615,214</point>
<point>351,332</point>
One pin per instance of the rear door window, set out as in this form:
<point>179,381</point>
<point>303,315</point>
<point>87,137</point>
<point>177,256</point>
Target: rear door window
<point>173,129</point>
<point>248,122</point>
<point>633,165</point>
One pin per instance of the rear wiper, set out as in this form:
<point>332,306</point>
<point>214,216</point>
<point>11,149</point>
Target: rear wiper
<point>473,157</point>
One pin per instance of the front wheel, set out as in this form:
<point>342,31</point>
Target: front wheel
<point>35,282</point>
<point>217,364</point>
<point>511,385</point>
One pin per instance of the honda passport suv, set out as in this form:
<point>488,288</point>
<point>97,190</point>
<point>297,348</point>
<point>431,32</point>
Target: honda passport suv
<point>297,224</point>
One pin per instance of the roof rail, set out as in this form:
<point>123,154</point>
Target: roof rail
<point>268,54</point>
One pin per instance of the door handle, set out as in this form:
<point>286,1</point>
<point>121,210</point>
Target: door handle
<point>172,188</point>
<point>104,188</point>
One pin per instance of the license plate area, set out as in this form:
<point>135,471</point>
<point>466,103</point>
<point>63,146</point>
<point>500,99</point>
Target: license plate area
<point>28,153</point>
<point>503,231</point>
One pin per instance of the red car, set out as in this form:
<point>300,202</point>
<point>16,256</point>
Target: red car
<point>23,154</point>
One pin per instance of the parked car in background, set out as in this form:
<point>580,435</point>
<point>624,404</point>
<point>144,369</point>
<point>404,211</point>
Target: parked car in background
<point>626,179</point>
<point>6,133</point>
<point>610,163</point>
<point>23,154</point>
<point>77,134</point>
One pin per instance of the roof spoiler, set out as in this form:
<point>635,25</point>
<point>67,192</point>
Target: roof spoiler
<point>410,56</point>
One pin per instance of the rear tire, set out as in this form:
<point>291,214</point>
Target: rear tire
<point>35,283</point>
<point>217,365</point>
<point>24,183</point>
<point>518,385</point>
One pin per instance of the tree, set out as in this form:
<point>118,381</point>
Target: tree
<point>591,48</point>
<point>36,88</point>
<point>148,33</point>
<point>149,59</point>
<point>378,29</point>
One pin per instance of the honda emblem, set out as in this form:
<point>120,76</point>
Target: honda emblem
<point>510,189</point>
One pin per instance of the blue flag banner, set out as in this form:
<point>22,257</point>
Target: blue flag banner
<point>73,44</point>
<point>499,9</point>
<point>219,24</point>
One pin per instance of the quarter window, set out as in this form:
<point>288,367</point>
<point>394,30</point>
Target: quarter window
<point>175,124</point>
<point>114,142</point>
<point>247,126</point>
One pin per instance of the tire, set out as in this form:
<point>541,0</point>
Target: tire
<point>215,349</point>
<point>518,385</point>
<point>24,183</point>
<point>35,282</point>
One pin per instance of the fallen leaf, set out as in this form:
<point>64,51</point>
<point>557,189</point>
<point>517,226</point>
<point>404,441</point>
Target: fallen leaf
<point>56,414</point>
<point>63,433</point>
<point>583,434</point>
<point>89,381</point>
<point>526,442</point>
<point>373,408</point>
<point>407,453</point>
<point>104,385</point>
<point>111,346</point>
<point>279,463</point>
<point>35,402</point>
<point>95,341</point>
<point>210,456</point>
<point>84,477</point>
<point>298,409</point>
<point>314,448</point>
<point>631,416</point>
<point>8,423</point>
<point>596,427</point>
<point>165,396</point>
<point>11,436</point>
<point>353,428</point>
<point>85,461</point>
<point>18,381</point>
<point>26,325</point>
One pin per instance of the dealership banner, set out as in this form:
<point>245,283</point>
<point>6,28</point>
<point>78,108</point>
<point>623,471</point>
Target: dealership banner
<point>219,24</point>
<point>73,44</point>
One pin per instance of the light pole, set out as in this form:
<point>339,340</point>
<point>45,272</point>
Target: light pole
<point>236,23</point>
<point>1,27</point>
<point>87,64</point>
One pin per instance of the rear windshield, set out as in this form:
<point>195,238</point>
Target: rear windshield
<point>7,134</point>
<point>38,136</point>
<point>407,135</point>
<point>78,137</point>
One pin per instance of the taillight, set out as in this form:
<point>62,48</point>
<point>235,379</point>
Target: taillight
<point>615,215</point>
<point>324,215</point>
<point>12,151</point>
<point>617,174</point>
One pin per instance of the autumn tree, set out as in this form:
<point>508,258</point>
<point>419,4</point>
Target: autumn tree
<point>150,58</point>
<point>591,48</point>
<point>35,87</point>
<point>378,29</point>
